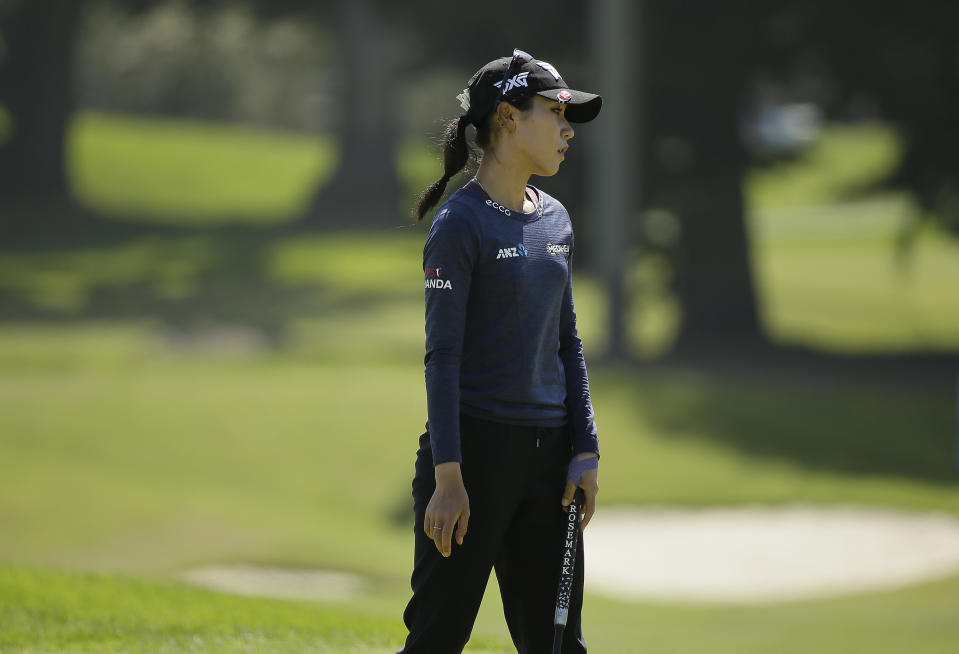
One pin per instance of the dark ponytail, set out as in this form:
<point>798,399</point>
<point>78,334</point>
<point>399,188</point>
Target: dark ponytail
<point>455,155</point>
<point>456,152</point>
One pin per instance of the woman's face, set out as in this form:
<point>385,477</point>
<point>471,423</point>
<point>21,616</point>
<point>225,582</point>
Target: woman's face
<point>541,136</point>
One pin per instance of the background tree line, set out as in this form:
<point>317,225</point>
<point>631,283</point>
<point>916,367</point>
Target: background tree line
<point>714,75</point>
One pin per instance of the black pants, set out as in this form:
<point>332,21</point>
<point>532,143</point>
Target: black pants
<point>514,477</point>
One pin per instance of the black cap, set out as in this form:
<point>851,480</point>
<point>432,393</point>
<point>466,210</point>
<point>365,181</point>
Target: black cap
<point>528,76</point>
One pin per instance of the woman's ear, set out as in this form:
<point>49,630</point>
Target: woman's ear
<point>504,116</point>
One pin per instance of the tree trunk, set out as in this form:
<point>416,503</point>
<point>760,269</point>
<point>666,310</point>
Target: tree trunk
<point>364,191</point>
<point>697,93</point>
<point>716,281</point>
<point>35,87</point>
<point>615,172</point>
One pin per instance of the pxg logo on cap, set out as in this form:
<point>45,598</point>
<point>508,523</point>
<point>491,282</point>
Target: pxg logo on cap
<point>516,77</point>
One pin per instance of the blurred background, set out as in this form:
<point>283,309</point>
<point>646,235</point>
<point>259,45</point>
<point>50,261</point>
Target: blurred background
<point>211,330</point>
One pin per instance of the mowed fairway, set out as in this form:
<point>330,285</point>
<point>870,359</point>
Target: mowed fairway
<point>129,447</point>
<point>46,611</point>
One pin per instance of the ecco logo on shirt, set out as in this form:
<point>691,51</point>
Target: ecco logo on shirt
<point>508,253</point>
<point>557,248</point>
<point>434,279</point>
<point>498,207</point>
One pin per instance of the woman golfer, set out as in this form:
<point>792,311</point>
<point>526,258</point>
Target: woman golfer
<point>510,433</point>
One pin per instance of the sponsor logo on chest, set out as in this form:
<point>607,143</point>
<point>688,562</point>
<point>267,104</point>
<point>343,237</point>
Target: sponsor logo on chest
<point>499,207</point>
<point>557,248</point>
<point>540,208</point>
<point>508,253</point>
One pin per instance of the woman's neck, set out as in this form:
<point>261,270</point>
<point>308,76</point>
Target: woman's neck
<point>504,185</point>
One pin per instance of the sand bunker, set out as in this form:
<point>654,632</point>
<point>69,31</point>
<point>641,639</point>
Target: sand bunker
<point>762,554</point>
<point>749,554</point>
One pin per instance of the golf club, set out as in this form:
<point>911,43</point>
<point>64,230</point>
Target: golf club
<point>570,543</point>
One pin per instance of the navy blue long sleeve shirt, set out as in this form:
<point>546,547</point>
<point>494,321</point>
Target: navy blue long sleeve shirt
<point>501,340</point>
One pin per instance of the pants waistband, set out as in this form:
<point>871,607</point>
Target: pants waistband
<point>531,431</point>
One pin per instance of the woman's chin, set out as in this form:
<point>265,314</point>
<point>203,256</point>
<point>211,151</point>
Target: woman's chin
<point>549,172</point>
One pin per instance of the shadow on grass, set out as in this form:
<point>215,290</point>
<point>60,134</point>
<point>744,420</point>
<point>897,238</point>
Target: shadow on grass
<point>870,416</point>
<point>74,267</point>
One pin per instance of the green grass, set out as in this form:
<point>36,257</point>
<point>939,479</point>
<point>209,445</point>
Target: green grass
<point>62,280</point>
<point>918,619</point>
<point>49,611</point>
<point>127,446</point>
<point>843,159</point>
<point>827,267</point>
<point>833,278</point>
<point>194,172</point>
<point>842,292</point>
<point>152,461</point>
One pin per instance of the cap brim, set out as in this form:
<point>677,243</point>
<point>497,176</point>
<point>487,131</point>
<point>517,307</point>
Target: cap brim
<point>582,107</point>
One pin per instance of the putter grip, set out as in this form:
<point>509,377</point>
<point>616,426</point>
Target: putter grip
<point>570,543</point>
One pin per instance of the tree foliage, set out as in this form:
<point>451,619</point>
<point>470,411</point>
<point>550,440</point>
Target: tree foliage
<point>706,69</point>
<point>710,67</point>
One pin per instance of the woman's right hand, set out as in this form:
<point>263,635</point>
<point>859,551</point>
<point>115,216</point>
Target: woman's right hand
<point>449,507</point>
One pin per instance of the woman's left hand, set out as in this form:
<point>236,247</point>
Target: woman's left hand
<point>589,482</point>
